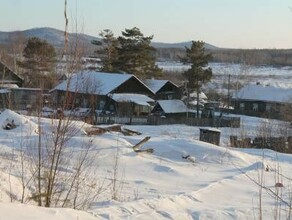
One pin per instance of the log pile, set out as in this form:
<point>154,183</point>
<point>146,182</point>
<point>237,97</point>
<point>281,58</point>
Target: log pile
<point>137,147</point>
<point>98,130</point>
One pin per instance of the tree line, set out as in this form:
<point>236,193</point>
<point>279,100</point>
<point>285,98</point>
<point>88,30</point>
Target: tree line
<point>254,56</point>
<point>275,57</point>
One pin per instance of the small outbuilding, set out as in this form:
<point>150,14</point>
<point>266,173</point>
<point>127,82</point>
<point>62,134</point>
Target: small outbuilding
<point>172,108</point>
<point>210,135</point>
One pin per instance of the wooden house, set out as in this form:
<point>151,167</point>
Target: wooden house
<point>27,98</point>
<point>263,101</point>
<point>21,98</point>
<point>163,89</point>
<point>102,92</point>
<point>8,80</point>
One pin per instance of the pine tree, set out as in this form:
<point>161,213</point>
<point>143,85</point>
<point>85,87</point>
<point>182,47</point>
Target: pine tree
<point>39,62</point>
<point>198,74</point>
<point>107,50</point>
<point>136,55</point>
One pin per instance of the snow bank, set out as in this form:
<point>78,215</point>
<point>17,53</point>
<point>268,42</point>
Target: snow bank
<point>184,178</point>
<point>14,211</point>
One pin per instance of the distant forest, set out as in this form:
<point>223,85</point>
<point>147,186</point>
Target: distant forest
<point>12,43</point>
<point>275,57</point>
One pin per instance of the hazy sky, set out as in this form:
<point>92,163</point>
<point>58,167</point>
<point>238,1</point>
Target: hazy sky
<point>223,23</point>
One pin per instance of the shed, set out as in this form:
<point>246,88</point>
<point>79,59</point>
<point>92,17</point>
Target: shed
<point>210,135</point>
<point>171,108</point>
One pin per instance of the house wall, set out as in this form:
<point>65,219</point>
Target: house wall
<point>74,100</point>
<point>25,98</point>
<point>5,100</point>
<point>127,109</point>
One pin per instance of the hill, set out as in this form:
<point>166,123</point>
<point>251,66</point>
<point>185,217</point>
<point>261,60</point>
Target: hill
<point>181,45</point>
<point>53,36</point>
<point>56,38</point>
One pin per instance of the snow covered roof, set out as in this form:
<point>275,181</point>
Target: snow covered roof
<point>172,106</point>
<point>93,82</point>
<point>9,85</point>
<point>210,129</point>
<point>135,98</point>
<point>155,84</point>
<point>264,93</point>
<point>2,91</point>
<point>202,95</point>
<point>14,78</point>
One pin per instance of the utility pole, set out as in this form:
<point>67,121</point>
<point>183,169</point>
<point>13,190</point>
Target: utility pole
<point>228,93</point>
<point>188,98</point>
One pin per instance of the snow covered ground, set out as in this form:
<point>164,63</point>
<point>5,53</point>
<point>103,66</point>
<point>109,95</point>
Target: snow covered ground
<point>267,75</point>
<point>183,179</point>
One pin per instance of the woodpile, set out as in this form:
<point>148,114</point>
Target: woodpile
<point>99,130</point>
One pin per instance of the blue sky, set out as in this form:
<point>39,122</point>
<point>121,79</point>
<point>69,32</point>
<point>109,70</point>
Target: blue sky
<point>223,23</point>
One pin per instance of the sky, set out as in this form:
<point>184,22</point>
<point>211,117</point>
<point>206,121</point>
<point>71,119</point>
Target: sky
<point>223,23</point>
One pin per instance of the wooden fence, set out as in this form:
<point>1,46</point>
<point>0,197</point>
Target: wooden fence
<point>280,144</point>
<point>233,122</point>
<point>121,120</point>
<point>156,120</point>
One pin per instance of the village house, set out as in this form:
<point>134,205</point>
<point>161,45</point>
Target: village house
<point>13,95</point>
<point>263,101</point>
<point>106,93</point>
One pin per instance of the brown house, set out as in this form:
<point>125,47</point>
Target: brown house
<point>263,101</point>
<point>8,80</point>
<point>97,90</point>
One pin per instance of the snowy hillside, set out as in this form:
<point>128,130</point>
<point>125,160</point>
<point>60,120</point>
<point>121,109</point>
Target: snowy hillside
<point>184,178</point>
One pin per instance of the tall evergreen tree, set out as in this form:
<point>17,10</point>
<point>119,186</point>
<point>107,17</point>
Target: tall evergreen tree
<point>107,50</point>
<point>136,55</point>
<point>199,73</point>
<point>39,62</point>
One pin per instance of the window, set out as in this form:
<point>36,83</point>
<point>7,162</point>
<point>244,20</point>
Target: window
<point>268,107</point>
<point>84,103</point>
<point>255,107</point>
<point>101,105</point>
<point>241,106</point>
